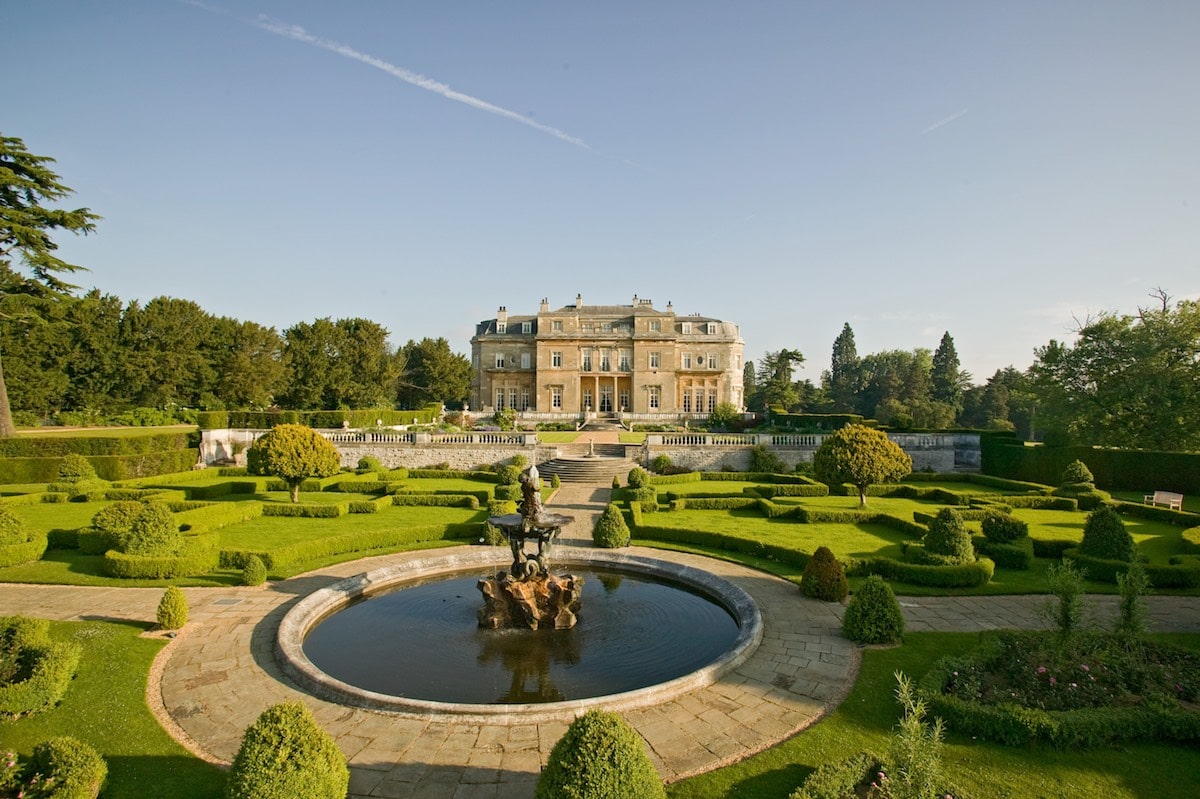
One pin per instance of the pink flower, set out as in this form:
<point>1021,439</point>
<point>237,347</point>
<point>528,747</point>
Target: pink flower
<point>1041,669</point>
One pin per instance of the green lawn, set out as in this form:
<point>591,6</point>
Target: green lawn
<point>982,770</point>
<point>557,436</point>
<point>47,516</point>
<point>272,531</point>
<point>106,707</point>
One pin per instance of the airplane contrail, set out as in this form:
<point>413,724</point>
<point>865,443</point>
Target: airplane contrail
<point>945,121</point>
<point>299,34</point>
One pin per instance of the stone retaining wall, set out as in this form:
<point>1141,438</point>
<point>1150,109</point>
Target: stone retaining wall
<point>457,456</point>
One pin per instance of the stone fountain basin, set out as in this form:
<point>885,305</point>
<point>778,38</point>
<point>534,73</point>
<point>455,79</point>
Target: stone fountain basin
<point>310,610</point>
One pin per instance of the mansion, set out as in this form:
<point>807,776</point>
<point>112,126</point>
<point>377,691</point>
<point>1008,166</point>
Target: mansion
<point>605,360</point>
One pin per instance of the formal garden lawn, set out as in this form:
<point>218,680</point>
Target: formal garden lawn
<point>982,770</point>
<point>273,531</point>
<point>105,706</point>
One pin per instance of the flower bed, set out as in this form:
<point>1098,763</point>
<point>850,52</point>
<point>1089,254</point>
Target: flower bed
<point>1088,690</point>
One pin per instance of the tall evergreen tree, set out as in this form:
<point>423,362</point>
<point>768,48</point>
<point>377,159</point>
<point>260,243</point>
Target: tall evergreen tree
<point>845,373</point>
<point>29,269</point>
<point>433,373</point>
<point>775,382</point>
<point>946,379</point>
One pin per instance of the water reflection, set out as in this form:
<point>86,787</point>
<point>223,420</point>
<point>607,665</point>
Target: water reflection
<point>527,656</point>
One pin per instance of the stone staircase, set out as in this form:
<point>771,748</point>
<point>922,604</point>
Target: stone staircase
<point>577,463</point>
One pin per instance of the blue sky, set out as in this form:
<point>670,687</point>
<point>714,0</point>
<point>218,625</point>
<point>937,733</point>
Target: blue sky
<point>996,170</point>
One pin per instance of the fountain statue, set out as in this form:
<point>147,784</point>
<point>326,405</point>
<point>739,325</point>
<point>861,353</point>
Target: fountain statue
<point>528,595</point>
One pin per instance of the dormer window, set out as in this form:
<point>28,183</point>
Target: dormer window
<point>711,329</point>
<point>685,328</point>
<point>527,327</point>
<point>501,327</point>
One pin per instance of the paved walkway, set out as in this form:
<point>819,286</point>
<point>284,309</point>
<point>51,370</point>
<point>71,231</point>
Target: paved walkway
<point>219,675</point>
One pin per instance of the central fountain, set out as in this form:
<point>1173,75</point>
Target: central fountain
<point>528,596</point>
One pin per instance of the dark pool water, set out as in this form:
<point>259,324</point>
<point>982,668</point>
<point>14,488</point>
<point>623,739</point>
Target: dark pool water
<point>423,642</point>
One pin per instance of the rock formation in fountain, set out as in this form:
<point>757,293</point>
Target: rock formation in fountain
<point>544,601</point>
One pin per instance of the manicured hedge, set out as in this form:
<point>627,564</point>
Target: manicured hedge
<point>305,551</point>
<point>1041,502</point>
<point>758,477</point>
<point>370,505</point>
<point>971,575</point>
<point>215,515</point>
<point>788,490</point>
<point>1191,540</point>
<point>32,548</point>
<point>50,665</point>
<point>303,510</point>
<point>971,515</point>
<point>76,770</point>
<point>1138,470</point>
<point>1158,514</point>
<point>438,500</point>
<point>57,446</point>
<point>718,503</point>
<point>1015,555</point>
<point>720,541</point>
<point>325,420</point>
<point>199,555</point>
<point>362,486</point>
<point>451,474</point>
<point>675,479</point>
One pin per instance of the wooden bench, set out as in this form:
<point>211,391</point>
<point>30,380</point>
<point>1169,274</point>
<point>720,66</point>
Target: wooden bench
<point>1169,498</point>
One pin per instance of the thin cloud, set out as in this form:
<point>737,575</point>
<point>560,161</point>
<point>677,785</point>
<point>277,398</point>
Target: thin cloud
<point>946,121</point>
<point>299,34</point>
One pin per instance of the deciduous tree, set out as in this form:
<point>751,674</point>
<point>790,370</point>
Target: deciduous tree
<point>858,455</point>
<point>293,453</point>
<point>29,269</point>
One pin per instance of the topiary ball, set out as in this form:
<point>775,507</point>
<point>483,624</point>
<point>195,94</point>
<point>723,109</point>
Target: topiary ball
<point>948,538</point>
<point>824,578</point>
<point>637,477</point>
<point>74,468</point>
<point>873,615</point>
<point>1077,472</point>
<point>254,572</point>
<point>77,770</point>
<point>152,533</point>
<point>172,609</point>
<point>368,464</point>
<point>599,757</point>
<point>1105,536</point>
<point>285,754</point>
<point>611,531</point>
<point>1001,528</point>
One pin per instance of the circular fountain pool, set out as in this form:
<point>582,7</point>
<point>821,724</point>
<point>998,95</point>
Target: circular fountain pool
<point>407,638</point>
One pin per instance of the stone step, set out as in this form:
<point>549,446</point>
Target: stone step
<point>585,470</point>
<point>578,450</point>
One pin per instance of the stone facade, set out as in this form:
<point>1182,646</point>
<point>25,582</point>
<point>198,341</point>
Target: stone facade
<point>606,359</point>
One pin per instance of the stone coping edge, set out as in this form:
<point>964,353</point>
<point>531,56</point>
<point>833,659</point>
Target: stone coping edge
<point>310,610</point>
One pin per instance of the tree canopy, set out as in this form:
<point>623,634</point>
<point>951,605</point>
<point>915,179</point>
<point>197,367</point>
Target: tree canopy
<point>861,456</point>
<point>433,373</point>
<point>293,453</point>
<point>30,272</point>
<point>1127,381</point>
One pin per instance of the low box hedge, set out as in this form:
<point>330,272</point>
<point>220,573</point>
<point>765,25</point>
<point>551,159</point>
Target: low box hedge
<point>971,575</point>
<point>1015,555</point>
<point>49,665</point>
<point>56,446</point>
<point>199,555</point>
<point>305,510</point>
<point>454,474</point>
<point>722,541</point>
<point>438,500</point>
<point>370,505</point>
<point>23,499</point>
<point>675,479</point>
<point>788,490</point>
<point>32,548</point>
<point>718,503</point>
<point>362,486</point>
<point>1191,540</point>
<point>1176,517</point>
<point>215,515</point>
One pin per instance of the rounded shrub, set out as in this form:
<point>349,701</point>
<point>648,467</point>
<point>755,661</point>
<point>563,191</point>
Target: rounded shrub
<point>1077,472</point>
<point>1000,528</point>
<point>661,463</point>
<point>637,477</point>
<point>172,609</point>
<point>12,528</point>
<point>77,770</point>
<point>151,533</point>
<point>873,615</point>
<point>519,461</point>
<point>285,754</point>
<point>824,578</point>
<point>508,475</point>
<point>368,464</point>
<point>74,468</point>
<point>110,526</point>
<point>616,483</point>
<point>36,670</point>
<point>599,757</point>
<point>254,572</point>
<point>555,481</point>
<point>948,539</point>
<point>1105,536</point>
<point>611,531</point>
